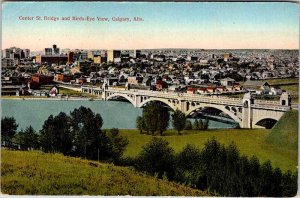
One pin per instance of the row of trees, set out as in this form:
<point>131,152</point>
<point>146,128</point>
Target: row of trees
<point>156,118</point>
<point>215,168</point>
<point>78,134</point>
<point>197,125</point>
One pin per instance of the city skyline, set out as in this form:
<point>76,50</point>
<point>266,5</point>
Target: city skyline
<point>191,25</point>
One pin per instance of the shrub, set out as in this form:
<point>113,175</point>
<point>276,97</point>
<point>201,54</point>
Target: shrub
<point>156,158</point>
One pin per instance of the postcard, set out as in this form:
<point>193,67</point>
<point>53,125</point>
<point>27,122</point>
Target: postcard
<point>150,98</point>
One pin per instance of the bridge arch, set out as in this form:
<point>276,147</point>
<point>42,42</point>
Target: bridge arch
<point>165,101</point>
<point>266,122</point>
<point>219,107</point>
<point>121,95</point>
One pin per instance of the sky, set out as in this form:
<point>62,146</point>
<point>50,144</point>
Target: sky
<point>222,25</point>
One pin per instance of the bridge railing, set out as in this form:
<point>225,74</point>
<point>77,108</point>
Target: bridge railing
<point>270,107</point>
<point>272,102</point>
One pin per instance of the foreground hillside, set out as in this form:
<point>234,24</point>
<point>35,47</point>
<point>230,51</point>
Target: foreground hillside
<point>285,131</point>
<point>249,142</point>
<point>54,174</point>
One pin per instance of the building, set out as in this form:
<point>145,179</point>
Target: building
<point>99,59</point>
<point>27,53</point>
<point>134,80</point>
<point>160,85</point>
<point>55,50</point>
<point>48,51</point>
<point>70,57</point>
<point>135,53</point>
<point>7,52</point>
<point>62,78</point>
<point>227,56</point>
<point>7,62</point>
<point>58,59</point>
<point>113,55</point>
<point>227,82</point>
<point>41,79</point>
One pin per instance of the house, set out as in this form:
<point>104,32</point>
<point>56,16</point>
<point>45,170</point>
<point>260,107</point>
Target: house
<point>53,91</point>
<point>147,81</point>
<point>80,80</point>
<point>227,82</point>
<point>42,79</point>
<point>201,90</point>
<point>62,78</point>
<point>191,90</point>
<point>210,89</point>
<point>160,85</point>
<point>111,80</point>
<point>134,80</point>
<point>221,89</point>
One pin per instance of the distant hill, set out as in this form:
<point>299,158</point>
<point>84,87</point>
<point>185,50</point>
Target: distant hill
<point>37,173</point>
<point>285,131</point>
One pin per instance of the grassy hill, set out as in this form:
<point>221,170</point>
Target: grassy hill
<point>39,173</point>
<point>285,131</point>
<point>249,141</point>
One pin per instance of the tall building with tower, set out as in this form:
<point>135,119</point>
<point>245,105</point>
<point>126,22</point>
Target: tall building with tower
<point>70,57</point>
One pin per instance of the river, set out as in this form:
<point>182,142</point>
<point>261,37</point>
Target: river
<point>116,114</point>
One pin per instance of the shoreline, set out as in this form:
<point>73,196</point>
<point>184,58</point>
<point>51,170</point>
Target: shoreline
<point>57,99</point>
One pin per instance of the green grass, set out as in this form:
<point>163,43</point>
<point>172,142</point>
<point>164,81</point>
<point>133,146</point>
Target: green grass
<point>249,141</point>
<point>28,173</point>
<point>293,90</point>
<point>285,132</point>
<point>282,81</point>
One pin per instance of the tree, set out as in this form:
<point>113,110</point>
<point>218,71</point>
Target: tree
<point>189,169</point>
<point>196,125</point>
<point>140,124</point>
<point>156,158</point>
<point>156,117</point>
<point>205,124</point>
<point>200,125</point>
<point>87,134</point>
<point>163,118</point>
<point>56,134</point>
<point>28,139</point>
<point>8,130</point>
<point>178,120</point>
<point>118,143</point>
<point>188,125</point>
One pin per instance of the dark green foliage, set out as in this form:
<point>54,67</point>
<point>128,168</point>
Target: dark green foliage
<point>140,124</point>
<point>189,169</point>
<point>56,135</point>
<point>80,134</point>
<point>87,134</point>
<point>205,124</point>
<point>178,120</point>
<point>200,124</point>
<point>118,143</point>
<point>156,118</point>
<point>188,125</point>
<point>28,139</point>
<point>8,130</point>
<point>216,168</point>
<point>156,158</point>
<point>196,124</point>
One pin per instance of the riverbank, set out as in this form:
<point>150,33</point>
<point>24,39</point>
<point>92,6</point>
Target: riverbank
<point>48,98</point>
